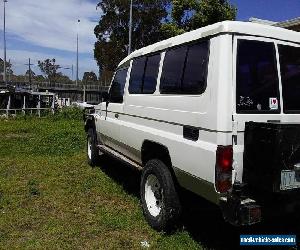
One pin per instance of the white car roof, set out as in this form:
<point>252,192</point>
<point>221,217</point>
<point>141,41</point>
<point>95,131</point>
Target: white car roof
<point>243,28</point>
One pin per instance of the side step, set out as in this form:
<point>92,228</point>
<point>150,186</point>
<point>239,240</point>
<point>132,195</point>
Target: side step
<point>119,156</point>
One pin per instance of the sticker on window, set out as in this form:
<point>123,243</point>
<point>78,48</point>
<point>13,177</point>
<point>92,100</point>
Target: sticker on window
<point>273,103</point>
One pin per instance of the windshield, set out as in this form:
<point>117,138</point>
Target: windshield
<point>290,77</point>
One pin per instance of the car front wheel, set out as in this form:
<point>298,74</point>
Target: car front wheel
<point>92,150</point>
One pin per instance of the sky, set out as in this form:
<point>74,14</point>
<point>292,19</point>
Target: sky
<point>273,10</point>
<point>42,29</point>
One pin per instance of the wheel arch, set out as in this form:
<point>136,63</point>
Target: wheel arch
<point>155,150</point>
<point>89,123</point>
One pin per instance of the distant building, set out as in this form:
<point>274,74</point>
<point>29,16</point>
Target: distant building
<point>292,24</point>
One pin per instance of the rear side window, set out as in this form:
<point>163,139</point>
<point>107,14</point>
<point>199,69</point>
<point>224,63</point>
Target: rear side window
<point>195,73</point>
<point>185,69</point>
<point>116,91</point>
<point>257,83</point>
<point>144,75</point>
<point>290,76</point>
<point>172,71</point>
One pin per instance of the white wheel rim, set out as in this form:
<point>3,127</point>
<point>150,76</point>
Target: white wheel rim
<point>89,148</point>
<point>153,195</point>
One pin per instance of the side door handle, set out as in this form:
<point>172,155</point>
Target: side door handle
<point>117,116</point>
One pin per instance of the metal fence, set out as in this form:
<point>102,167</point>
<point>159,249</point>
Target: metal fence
<point>25,111</point>
<point>89,92</point>
<point>55,85</point>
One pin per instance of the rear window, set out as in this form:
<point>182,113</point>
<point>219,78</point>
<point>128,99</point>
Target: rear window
<point>257,82</point>
<point>290,77</point>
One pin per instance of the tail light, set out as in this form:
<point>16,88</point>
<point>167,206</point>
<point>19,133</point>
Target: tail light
<point>223,175</point>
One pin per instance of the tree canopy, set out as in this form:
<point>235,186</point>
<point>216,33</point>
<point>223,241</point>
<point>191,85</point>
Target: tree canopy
<point>8,67</point>
<point>49,68</point>
<point>188,15</point>
<point>112,31</point>
<point>39,78</point>
<point>153,21</point>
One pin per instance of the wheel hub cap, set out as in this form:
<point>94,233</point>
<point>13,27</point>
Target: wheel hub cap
<point>89,148</point>
<point>153,195</point>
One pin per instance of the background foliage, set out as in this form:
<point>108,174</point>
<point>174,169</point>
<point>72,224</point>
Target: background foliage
<point>153,21</point>
<point>112,31</point>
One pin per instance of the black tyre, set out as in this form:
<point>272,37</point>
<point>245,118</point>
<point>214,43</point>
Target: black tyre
<point>160,201</point>
<point>92,150</point>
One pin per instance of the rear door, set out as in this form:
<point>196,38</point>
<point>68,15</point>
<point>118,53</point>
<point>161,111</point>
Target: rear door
<point>256,89</point>
<point>258,92</point>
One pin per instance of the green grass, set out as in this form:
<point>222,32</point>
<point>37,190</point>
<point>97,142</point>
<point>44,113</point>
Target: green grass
<point>50,198</point>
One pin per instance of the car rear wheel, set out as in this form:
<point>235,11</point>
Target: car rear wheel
<point>160,201</point>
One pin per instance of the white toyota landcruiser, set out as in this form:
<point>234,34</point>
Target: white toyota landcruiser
<point>215,111</point>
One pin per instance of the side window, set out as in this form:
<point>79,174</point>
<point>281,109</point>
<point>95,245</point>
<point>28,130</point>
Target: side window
<point>137,74</point>
<point>185,69</point>
<point>151,73</point>
<point>144,75</point>
<point>172,70</point>
<point>195,74</point>
<point>117,88</point>
<point>257,83</point>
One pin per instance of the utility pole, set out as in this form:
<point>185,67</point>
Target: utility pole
<point>77,69</point>
<point>9,72</point>
<point>130,28</point>
<point>4,38</point>
<point>29,70</point>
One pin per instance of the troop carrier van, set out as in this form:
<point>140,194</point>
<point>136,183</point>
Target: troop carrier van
<point>215,111</point>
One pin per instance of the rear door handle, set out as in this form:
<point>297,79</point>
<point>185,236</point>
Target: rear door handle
<point>117,116</point>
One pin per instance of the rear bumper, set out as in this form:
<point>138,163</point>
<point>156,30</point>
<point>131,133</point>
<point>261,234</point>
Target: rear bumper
<point>241,208</point>
<point>238,209</point>
<point>240,212</point>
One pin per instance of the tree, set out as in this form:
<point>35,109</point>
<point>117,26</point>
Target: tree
<point>188,15</point>
<point>39,78</point>
<point>112,31</point>
<point>49,68</point>
<point>61,78</point>
<point>89,77</point>
<point>151,23</point>
<point>9,71</point>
